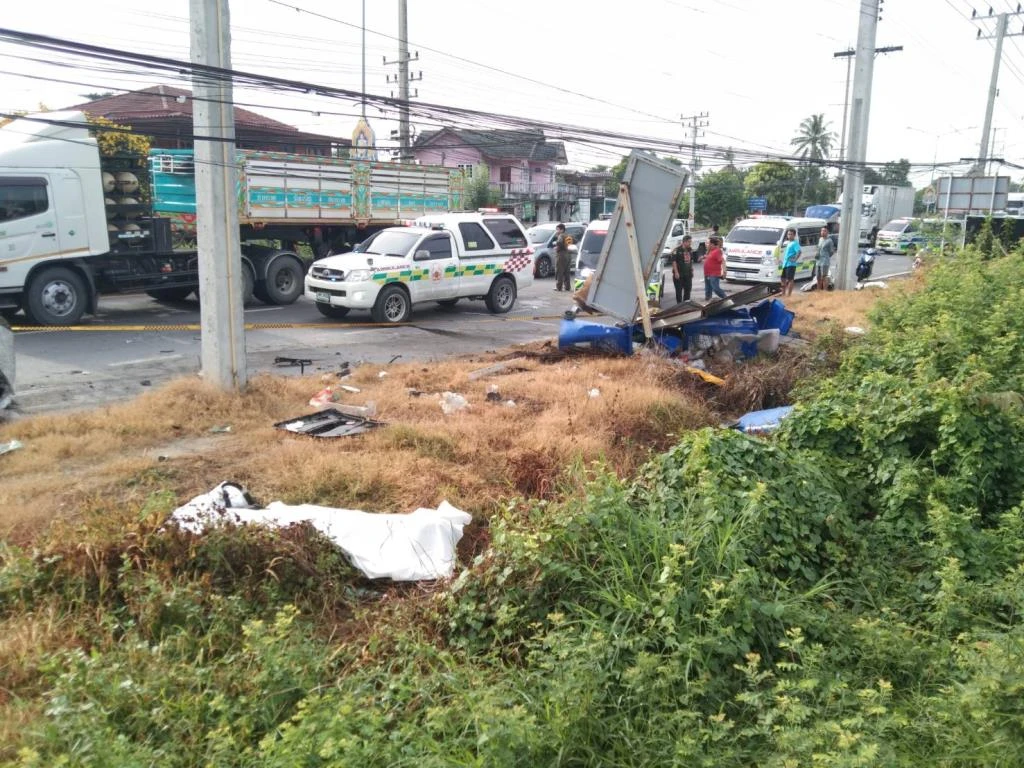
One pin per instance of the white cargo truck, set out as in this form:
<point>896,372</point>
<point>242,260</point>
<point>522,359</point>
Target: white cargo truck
<point>881,203</point>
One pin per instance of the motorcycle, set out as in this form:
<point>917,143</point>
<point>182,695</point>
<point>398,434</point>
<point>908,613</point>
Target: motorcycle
<point>865,265</point>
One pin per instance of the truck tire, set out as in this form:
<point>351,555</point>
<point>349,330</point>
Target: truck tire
<point>248,285</point>
<point>170,294</point>
<point>56,296</point>
<point>392,306</point>
<point>331,311</point>
<point>502,296</point>
<point>544,267</point>
<point>284,281</point>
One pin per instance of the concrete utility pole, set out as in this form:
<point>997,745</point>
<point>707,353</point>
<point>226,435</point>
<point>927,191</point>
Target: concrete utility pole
<point>848,54</point>
<point>220,258</point>
<point>403,79</point>
<point>993,89</point>
<point>856,150</point>
<point>696,123</point>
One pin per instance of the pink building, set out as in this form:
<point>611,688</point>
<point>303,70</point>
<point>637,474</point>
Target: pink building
<point>521,167</point>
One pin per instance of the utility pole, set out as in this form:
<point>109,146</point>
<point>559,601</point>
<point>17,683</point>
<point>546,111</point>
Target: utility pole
<point>856,151</point>
<point>403,78</point>
<point>993,90</point>
<point>220,258</point>
<point>848,54</point>
<point>696,123</point>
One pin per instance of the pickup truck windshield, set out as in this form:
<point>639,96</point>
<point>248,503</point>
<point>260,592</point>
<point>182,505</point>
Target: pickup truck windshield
<point>394,243</point>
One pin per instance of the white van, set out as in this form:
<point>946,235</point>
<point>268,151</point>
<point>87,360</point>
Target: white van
<point>752,249</point>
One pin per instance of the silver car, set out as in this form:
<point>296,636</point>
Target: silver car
<point>542,239</point>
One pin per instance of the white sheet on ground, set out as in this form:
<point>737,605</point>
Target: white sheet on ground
<point>404,547</point>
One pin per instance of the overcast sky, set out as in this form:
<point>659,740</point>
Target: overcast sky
<point>757,67</point>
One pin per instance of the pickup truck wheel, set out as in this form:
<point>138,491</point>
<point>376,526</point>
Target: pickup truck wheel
<point>448,303</point>
<point>283,284</point>
<point>393,305</point>
<point>331,311</point>
<point>170,294</point>
<point>56,296</point>
<point>502,295</point>
<point>544,267</point>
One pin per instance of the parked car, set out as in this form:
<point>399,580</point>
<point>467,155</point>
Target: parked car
<point>441,257</point>
<point>542,239</point>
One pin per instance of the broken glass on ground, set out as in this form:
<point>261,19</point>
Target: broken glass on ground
<point>330,422</point>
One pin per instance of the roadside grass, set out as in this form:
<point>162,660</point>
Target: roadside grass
<point>87,568</point>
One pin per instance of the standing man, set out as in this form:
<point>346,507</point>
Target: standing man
<point>790,258</point>
<point>562,281</point>
<point>826,247</point>
<point>714,269</point>
<point>682,269</point>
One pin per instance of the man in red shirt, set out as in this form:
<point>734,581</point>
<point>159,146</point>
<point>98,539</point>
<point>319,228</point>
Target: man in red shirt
<point>714,269</point>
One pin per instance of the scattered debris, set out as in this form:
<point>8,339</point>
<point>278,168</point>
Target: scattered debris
<point>855,330</point>
<point>411,547</point>
<point>710,378</point>
<point>382,374</point>
<point>413,392</point>
<point>324,397</point>
<point>760,422</point>
<point>510,404</point>
<point>329,423</point>
<point>452,402</point>
<point>300,362</point>
<point>353,390</point>
<point>595,392</point>
<point>221,429</point>
<point>872,284</point>
<point>145,383</point>
<point>10,445</point>
<point>490,370</point>
<point>493,394</point>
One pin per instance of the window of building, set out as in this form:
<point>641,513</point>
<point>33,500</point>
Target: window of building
<point>505,173</point>
<point>475,237</point>
<point>466,169</point>
<point>21,197</point>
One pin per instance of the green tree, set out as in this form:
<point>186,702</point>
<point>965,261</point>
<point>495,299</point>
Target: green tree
<point>776,181</point>
<point>985,240</point>
<point>871,176</point>
<point>611,187</point>
<point>896,172</point>
<point>814,139</point>
<point>479,193</point>
<point>1007,234</point>
<point>720,197</point>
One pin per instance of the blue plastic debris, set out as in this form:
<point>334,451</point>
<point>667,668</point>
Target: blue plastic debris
<point>609,338</point>
<point>760,422</point>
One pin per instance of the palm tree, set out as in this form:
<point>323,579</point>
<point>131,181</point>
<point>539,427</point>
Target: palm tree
<point>812,142</point>
<point>814,139</point>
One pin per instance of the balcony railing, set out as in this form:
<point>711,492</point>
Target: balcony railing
<point>542,190</point>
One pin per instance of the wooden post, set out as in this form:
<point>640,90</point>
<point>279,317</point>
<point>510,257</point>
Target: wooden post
<point>634,252</point>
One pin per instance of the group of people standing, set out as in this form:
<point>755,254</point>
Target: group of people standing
<point>682,269</point>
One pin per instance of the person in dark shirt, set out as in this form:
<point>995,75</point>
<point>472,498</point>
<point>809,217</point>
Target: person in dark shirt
<point>682,269</point>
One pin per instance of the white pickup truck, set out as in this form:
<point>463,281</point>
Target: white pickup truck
<point>440,257</point>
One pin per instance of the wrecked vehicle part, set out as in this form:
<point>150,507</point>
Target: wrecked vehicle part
<point>328,423</point>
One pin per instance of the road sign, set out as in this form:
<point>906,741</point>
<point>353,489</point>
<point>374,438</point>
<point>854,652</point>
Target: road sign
<point>757,204</point>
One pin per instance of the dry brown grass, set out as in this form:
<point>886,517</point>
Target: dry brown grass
<point>111,467</point>
<point>844,308</point>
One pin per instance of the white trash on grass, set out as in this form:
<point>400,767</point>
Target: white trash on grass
<point>404,547</point>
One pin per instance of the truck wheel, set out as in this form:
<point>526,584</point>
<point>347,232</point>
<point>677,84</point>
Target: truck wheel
<point>283,283</point>
<point>502,295</point>
<point>393,305</point>
<point>170,294</point>
<point>331,311</point>
<point>544,267</point>
<point>248,285</point>
<point>56,296</point>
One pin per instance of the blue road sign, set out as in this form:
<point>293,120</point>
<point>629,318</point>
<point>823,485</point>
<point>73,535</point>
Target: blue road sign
<point>757,203</point>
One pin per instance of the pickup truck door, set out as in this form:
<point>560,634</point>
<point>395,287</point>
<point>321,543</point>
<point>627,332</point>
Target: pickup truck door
<point>435,275</point>
<point>28,223</point>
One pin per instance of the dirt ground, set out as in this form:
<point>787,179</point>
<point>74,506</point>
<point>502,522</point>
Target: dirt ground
<point>531,428</point>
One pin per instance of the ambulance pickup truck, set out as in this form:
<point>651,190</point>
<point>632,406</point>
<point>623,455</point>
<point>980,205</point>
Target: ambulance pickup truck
<point>439,257</point>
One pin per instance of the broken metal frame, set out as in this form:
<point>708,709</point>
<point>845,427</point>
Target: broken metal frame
<point>637,259</point>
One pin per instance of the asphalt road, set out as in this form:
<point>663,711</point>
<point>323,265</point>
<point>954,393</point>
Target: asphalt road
<point>59,370</point>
